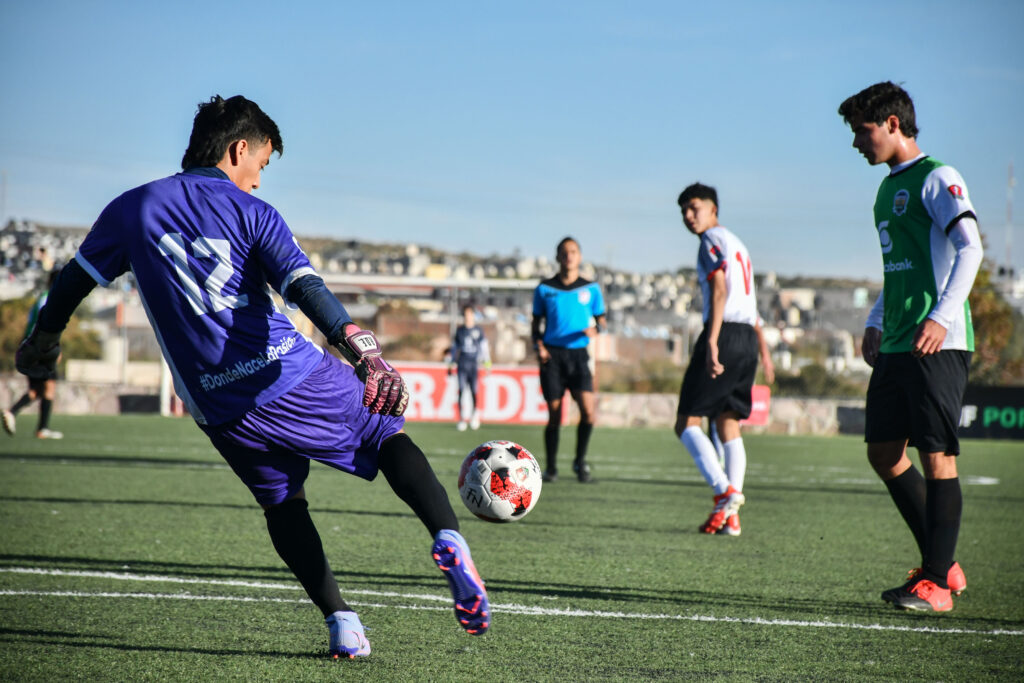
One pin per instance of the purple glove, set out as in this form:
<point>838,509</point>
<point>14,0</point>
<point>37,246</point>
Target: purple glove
<point>385,391</point>
<point>36,357</point>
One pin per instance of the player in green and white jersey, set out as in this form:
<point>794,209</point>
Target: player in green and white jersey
<point>918,336</point>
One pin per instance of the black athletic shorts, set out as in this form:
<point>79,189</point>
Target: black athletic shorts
<point>917,399</point>
<point>703,396</point>
<point>567,369</point>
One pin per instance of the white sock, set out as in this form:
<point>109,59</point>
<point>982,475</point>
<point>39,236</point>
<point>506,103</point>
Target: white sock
<point>735,462</point>
<point>704,454</point>
<point>717,441</point>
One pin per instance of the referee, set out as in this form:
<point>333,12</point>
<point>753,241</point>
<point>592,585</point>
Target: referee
<point>570,310</point>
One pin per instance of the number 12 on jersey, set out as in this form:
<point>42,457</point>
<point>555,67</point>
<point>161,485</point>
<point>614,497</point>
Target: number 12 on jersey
<point>172,245</point>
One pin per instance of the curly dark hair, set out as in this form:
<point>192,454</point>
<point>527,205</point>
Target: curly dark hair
<point>878,102</point>
<point>220,122</point>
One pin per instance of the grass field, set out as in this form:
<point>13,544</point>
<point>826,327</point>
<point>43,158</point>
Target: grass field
<point>130,552</point>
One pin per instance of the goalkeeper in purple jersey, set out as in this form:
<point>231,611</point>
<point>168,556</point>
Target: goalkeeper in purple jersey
<point>203,251</point>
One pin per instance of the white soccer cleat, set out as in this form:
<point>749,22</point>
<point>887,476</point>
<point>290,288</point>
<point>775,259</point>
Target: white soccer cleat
<point>10,424</point>
<point>474,422</point>
<point>49,434</point>
<point>461,426</point>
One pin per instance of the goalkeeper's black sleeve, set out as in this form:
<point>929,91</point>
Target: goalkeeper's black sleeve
<point>72,286</point>
<point>323,309</point>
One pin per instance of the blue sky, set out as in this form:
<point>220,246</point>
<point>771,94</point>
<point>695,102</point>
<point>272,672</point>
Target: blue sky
<point>502,127</point>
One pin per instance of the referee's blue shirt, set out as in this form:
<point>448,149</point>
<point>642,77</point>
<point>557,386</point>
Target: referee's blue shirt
<point>567,310</point>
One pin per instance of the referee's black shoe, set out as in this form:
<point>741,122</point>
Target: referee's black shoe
<point>582,470</point>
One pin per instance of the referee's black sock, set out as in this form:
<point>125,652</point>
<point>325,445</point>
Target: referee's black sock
<point>908,492</point>
<point>945,505</point>
<point>411,477</point>
<point>297,542</point>
<point>583,431</point>
<point>45,407</point>
<point>551,445</point>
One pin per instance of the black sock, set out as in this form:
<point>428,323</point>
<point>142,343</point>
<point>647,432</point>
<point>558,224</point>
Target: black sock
<point>909,493</point>
<point>297,542</point>
<point>551,446</point>
<point>22,402</point>
<point>45,406</point>
<point>945,505</point>
<point>583,432</point>
<point>411,477</point>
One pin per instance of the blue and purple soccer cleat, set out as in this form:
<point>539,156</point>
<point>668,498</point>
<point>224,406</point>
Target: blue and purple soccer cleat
<point>347,639</point>
<point>452,557</point>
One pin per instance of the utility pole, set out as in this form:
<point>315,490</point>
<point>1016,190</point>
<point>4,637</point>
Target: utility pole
<point>3,198</point>
<point>1010,182</point>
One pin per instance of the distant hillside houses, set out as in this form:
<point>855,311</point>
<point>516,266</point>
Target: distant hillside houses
<point>656,306</point>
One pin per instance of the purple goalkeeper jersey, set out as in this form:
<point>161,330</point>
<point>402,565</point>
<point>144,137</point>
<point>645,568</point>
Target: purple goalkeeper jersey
<point>202,252</point>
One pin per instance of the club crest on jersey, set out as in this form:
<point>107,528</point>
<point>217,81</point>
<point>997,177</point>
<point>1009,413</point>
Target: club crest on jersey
<point>956,191</point>
<point>583,296</point>
<point>899,202</point>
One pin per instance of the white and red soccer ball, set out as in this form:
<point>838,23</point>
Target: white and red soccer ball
<point>500,481</point>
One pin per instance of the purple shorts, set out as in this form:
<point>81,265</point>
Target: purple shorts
<point>322,418</point>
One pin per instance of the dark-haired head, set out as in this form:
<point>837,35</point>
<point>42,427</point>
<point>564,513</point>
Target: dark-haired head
<point>876,103</point>
<point>698,191</point>
<point>220,122</point>
<point>566,240</point>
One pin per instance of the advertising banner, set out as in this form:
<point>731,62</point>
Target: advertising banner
<point>992,413</point>
<point>508,394</point>
<point>761,399</point>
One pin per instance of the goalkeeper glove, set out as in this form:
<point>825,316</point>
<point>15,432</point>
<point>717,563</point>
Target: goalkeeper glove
<point>37,355</point>
<point>385,392</point>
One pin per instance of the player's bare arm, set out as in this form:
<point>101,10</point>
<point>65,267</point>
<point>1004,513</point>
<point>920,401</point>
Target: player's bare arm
<point>766,355</point>
<point>599,326</point>
<point>719,292</point>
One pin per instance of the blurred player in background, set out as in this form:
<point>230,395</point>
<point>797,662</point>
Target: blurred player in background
<point>919,337</point>
<point>718,382</point>
<point>45,389</point>
<point>203,251</point>
<point>469,351</point>
<point>570,309</point>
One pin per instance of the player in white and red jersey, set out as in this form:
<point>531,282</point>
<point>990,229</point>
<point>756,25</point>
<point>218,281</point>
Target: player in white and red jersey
<point>204,254</point>
<point>918,337</point>
<point>719,379</point>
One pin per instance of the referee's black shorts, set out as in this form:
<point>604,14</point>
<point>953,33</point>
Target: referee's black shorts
<point>918,399</point>
<point>567,369</point>
<point>703,396</point>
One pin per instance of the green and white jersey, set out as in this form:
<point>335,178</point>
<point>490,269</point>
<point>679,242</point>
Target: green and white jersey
<point>916,207</point>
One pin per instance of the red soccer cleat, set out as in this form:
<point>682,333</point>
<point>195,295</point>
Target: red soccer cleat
<point>726,505</point>
<point>923,596</point>
<point>955,579</point>
<point>732,526</point>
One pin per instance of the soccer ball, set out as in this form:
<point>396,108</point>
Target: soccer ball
<point>500,481</point>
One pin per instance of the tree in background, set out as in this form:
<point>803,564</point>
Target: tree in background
<point>998,335</point>
<point>75,343</point>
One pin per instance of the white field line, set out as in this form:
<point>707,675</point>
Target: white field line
<point>527,610</point>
